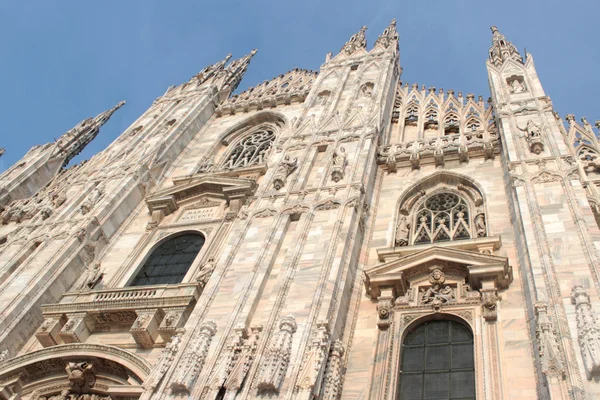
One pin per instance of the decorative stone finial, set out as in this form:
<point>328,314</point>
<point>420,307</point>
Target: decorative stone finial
<point>389,36</point>
<point>502,49</point>
<point>357,41</point>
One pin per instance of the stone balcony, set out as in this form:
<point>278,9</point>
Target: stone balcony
<point>147,312</point>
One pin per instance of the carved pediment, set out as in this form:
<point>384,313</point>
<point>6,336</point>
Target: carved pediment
<point>168,200</point>
<point>474,267</point>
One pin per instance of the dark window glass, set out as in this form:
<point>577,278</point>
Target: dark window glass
<point>437,363</point>
<point>170,261</point>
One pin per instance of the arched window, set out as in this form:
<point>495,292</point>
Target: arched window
<point>170,261</point>
<point>251,150</point>
<point>442,217</point>
<point>437,362</point>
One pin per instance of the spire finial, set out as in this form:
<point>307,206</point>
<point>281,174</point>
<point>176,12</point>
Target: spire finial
<point>74,141</point>
<point>236,69</point>
<point>208,72</point>
<point>502,49</point>
<point>389,36</point>
<point>356,41</point>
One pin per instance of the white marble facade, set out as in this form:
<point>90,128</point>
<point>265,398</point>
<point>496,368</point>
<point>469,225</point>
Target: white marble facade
<point>333,214</point>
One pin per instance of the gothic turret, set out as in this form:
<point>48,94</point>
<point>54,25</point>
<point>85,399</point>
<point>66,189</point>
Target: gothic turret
<point>502,49</point>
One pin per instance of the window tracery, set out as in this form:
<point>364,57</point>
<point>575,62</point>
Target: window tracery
<point>442,217</point>
<point>251,150</point>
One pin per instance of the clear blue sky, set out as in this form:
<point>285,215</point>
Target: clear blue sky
<point>63,61</point>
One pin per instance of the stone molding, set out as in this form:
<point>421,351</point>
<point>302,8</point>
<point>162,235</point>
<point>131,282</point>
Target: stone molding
<point>476,268</point>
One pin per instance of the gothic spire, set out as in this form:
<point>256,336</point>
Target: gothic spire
<point>502,49</point>
<point>389,36</point>
<point>357,41</point>
<point>74,141</point>
<point>235,71</point>
<point>208,72</point>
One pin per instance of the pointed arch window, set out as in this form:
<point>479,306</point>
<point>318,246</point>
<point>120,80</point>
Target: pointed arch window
<point>442,217</point>
<point>251,150</point>
<point>451,124</point>
<point>437,362</point>
<point>170,261</point>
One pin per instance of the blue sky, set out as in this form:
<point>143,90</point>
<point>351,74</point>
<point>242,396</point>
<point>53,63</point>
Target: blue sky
<point>63,61</point>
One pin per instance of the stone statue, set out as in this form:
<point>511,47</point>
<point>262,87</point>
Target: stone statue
<point>93,276</point>
<point>4,354</point>
<point>91,200</point>
<point>367,90</point>
<point>402,231</point>
<point>436,293</point>
<point>516,86</point>
<point>205,272</point>
<point>480,225</point>
<point>533,130</point>
<point>339,158</point>
<point>285,168</point>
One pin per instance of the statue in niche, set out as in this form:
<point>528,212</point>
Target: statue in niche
<point>533,136</point>
<point>480,224</point>
<point>205,272</point>
<point>339,164</point>
<point>533,130</point>
<point>322,98</point>
<point>339,158</point>
<point>517,86</point>
<point>402,231</point>
<point>367,90</point>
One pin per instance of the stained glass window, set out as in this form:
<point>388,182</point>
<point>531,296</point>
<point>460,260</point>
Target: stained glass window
<point>170,261</point>
<point>438,363</point>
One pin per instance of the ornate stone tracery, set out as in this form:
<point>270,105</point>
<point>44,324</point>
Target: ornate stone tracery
<point>251,150</point>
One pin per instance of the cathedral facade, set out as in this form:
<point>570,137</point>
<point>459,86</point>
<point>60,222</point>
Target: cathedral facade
<point>331,234</point>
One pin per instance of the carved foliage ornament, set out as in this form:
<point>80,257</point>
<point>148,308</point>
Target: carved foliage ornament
<point>193,359</point>
<point>587,331</point>
<point>277,357</point>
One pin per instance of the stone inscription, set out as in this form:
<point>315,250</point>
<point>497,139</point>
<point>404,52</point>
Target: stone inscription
<point>198,214</point>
